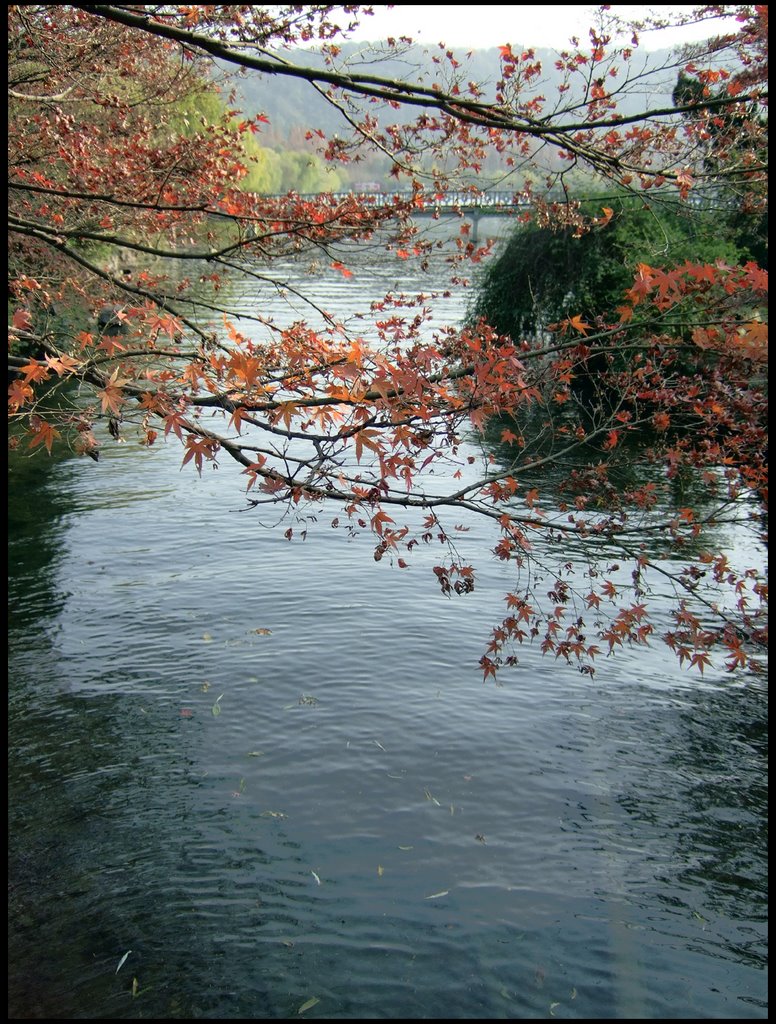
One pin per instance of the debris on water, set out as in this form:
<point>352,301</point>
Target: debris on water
<point>315,876</point>
<point>308,1005</point>
<point>437,895</point>
<point>123,960</point>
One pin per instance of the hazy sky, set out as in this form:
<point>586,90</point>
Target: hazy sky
<point>525,25</point>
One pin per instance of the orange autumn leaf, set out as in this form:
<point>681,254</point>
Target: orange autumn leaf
<point>19,394</point>
<point>22,320</point>
<point>43,433</point>
<point>601,222</point>
<point>342,269</point>
<point>579,324</point>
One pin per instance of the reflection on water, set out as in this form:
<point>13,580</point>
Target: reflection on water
<point>272,772</point>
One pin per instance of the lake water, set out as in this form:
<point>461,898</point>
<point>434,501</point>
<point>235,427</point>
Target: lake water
<point>273,773</point>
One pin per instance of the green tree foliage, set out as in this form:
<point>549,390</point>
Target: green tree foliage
<point>547,273</point>
<point>718,131</point>
<point>268,169</point>
<point>277,172</point>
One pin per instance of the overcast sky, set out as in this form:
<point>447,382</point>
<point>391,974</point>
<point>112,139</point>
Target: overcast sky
<point>522,25</point>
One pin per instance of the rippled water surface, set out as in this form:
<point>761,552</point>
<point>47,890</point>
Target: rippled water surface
<point>271,770</point>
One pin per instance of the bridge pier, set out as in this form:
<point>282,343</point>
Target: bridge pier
<point>474,216</point>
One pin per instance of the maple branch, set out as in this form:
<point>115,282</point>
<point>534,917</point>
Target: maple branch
<point>329,413</point>
<point>115,281</point>
<point>488,115</point>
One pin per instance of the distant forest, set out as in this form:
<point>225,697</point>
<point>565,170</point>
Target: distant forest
<point>297,108</point>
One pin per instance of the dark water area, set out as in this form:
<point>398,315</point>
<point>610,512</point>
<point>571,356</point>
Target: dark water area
<point>273,773</point>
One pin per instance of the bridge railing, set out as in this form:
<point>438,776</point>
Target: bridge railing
<point>459,200</point>
<point>502,201</point>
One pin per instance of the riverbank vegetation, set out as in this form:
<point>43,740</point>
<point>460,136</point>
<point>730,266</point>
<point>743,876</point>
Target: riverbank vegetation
<point>122,157</point>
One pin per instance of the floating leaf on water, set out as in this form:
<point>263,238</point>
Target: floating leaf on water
<point>216,709</point>
<point>436,895</point>
<point>135,987</point>
<point>308,700</point>
<point>255,753</point>
<point>205,686</point>
<point>378,744</point>
<point>552,1008</point>
<point>380,870</point>
<point>262,632</point>
<point>430,796</point>
<point>573,993</point>
<point>207,637</point>
<point>123,960</point>
<point>394,776</point>
<point>317,879</point>
<point>406,847</point>
<point>308,1005</point>
<point>272,814</point>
